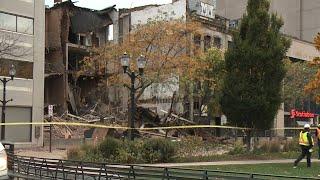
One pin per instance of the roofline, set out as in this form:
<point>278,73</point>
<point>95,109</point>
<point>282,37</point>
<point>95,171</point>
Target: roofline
<point>70,3</point>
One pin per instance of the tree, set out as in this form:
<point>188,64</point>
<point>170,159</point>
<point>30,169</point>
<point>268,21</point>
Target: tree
<point>166,46</point>
<point>255,69</point>
<point>210,73</point>
<point>298,74</point>
<point>313,85</point>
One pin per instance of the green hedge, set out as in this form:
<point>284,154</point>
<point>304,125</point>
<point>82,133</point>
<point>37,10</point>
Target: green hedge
<point>154,150</point>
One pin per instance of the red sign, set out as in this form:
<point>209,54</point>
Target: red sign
<point>298,114</point>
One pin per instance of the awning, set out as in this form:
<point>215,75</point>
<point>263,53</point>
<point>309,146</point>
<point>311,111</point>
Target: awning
<point>51,75</point>
<point>302,123</point>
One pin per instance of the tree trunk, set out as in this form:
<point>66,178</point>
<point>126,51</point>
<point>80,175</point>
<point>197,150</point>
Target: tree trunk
<point>191,102</point>
<point>249,142</point>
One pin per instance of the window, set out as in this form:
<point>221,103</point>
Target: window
<point>85,40</point>
<point>196,105</point>
<point>230,44</point>
<point>110,32</point>
<point>24,69</point>
<point>217,42</point>
<point>81,39</point>
<point>24,25</point>
<point>207,43</point>
<point>88,40</point>
<point>8,22</point>
<point>121,30</point>
<point>197,41</point>
<point>16,23</point>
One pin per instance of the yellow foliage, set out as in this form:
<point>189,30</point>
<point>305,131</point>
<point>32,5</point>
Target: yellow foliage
<point>314,85</point>
<point>165,44</point>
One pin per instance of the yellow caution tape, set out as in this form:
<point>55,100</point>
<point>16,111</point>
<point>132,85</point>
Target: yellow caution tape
<point>148,128</point>
<point>119,127</point>
<point>291,128</point>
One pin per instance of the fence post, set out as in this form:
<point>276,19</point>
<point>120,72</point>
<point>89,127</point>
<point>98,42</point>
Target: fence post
<point>9,148</point>
<point>206,177</point>
<point>81,165</point>
<point>165,173</point>
<point>251,176</point>
<point>132,171</point>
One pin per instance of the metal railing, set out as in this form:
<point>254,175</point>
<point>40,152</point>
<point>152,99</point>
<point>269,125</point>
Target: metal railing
<point>42,168</point>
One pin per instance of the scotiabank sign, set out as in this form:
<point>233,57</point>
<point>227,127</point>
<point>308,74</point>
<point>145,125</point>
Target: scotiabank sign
<point>301,114</point>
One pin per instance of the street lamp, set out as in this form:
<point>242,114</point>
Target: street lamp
<point>125,63</point>
<point>12,73</point>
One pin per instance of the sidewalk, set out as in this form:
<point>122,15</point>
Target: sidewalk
<point>55,154</point>
<point>217,163</point>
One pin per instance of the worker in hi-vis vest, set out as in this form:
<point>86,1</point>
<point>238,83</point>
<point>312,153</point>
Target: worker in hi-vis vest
<point>306,143</point>
<point>318,138</point>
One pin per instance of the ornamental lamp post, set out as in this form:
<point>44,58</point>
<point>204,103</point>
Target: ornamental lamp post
<point>12,73</point>
<point>141,63</point>
<point>125,63</point>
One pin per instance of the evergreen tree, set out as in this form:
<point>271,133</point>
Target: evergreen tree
<point>255,69</point>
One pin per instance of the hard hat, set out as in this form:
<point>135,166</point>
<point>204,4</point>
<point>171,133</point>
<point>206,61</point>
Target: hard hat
<point>306,126</point>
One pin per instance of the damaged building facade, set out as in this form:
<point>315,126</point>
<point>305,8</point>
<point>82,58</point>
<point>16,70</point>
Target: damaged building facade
<point>217,27</point>
<point>71,33</point>
<point>215,33</point>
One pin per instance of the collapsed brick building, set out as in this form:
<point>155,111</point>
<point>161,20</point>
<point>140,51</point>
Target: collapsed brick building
<point>71,33</point>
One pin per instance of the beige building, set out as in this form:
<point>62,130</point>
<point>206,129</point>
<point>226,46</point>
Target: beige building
<point>301,17</point>
<point>22,45</point>
<point>218,18</point>
<point>215,33</point>
<point>301,23</point>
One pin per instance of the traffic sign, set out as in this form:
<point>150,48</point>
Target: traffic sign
<point>50,110</point>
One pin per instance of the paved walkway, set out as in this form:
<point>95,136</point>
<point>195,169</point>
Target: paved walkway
<point>55,154</point>
<point>227,163</point>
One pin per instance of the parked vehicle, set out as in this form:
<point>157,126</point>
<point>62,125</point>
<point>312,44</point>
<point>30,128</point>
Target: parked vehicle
<point>3,163</point>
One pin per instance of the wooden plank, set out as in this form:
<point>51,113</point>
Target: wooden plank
<point>181,118</point>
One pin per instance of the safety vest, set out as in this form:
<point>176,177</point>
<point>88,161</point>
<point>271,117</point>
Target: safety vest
<point>303,139</point>
<point>318,133</point>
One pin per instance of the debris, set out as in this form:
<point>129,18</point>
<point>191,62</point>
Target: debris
<point>87,118</point>
<point>180,118</point>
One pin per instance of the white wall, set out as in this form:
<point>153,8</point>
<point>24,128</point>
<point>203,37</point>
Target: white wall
<point>19,7</point>
<point>289,10</point>
<point>162,90</point>
<point>302,50</point>
<point>175,10</point>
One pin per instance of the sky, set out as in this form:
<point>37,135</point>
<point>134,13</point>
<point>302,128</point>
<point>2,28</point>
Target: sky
<point>101,4</point>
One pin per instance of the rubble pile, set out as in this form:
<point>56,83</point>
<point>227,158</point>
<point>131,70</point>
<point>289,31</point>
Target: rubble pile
<point>144,117</point>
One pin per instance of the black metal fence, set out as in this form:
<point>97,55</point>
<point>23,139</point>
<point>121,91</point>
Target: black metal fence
<point>41,168</point>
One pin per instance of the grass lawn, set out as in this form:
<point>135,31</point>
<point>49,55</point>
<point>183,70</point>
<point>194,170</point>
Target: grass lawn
<point>276,169</point>
<point>246,156</point>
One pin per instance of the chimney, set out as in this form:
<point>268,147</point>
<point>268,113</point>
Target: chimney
<point>57,1</point>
